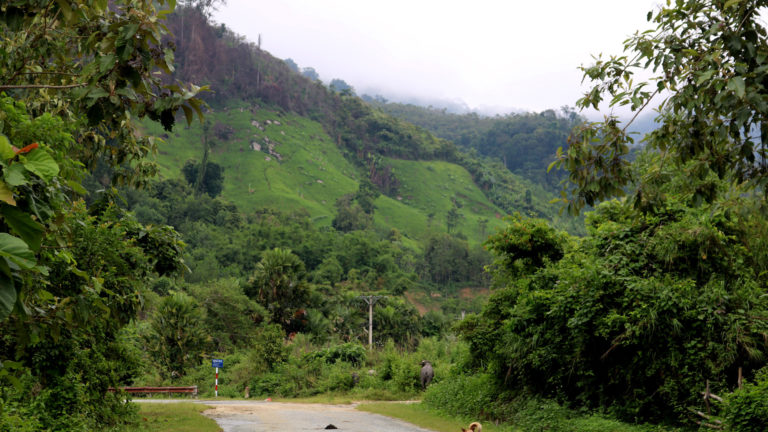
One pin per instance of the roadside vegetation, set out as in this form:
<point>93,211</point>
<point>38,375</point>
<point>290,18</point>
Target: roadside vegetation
<point>173,417</point>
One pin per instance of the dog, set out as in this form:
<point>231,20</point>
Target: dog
<point>473,427</point>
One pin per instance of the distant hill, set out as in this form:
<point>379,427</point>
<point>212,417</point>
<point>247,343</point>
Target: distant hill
<point>525,142</point>
<point>279,159</point>
<point>331,142</point>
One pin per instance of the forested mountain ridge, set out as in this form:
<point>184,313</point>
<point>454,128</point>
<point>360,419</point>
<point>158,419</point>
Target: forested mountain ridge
<point>238,70</point>
<point>525,142</point>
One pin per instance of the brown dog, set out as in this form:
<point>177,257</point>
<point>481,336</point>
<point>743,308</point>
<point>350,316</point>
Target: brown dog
<point>473,427</point>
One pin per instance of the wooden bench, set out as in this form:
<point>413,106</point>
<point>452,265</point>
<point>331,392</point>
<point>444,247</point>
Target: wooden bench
<point>152,390</point>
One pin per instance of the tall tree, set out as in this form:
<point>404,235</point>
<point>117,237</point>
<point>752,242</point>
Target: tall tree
<point>279,285</point>
<point>74,79</point>
<point>709,63</point>
<point>84,96</point>
<point>177,339</point>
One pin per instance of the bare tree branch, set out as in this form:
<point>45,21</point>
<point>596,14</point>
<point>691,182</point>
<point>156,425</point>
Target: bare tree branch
<point>43,86</point>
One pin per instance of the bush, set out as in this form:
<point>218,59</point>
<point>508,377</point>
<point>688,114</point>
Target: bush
<point>399,370</point>
<point>14,417</point>
<point>336,378</point>
<point>462,395</point>
<point>353,353</point>
<point>747,408</point>
<point>628,320</point>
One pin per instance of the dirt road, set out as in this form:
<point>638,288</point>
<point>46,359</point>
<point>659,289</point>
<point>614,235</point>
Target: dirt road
<point>242,416</point>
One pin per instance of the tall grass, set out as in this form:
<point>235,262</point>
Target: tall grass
<point>475,397</point>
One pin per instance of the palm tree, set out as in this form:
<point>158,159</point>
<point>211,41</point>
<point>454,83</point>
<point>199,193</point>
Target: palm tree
<point>278,283</point>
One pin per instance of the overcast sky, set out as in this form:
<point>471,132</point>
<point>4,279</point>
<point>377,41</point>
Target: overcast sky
<point>503,55</point>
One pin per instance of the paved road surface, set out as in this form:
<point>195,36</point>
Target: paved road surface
<point>247,416</point>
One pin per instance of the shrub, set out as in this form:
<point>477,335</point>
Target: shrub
<point>462,395</point>
<point>747,408</point>
<point>398,370</point>
<point>336,378</point>
<point>15,417</point>
<point>352,353</point>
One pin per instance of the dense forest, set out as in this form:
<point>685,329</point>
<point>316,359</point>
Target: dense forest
<point>136,245</point>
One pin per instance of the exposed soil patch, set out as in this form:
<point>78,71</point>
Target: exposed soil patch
<point>413,298</point>
<point>469,293</point>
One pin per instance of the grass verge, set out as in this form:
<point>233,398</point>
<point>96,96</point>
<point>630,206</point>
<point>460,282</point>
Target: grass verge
<point>173,417</point>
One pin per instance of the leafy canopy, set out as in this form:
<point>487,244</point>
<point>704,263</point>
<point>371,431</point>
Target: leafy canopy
<point>709,64</point>
<point>75,77</point>
<point>633,318</point>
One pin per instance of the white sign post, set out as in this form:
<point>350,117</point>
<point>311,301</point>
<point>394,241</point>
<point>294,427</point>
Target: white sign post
<point>217,363</point>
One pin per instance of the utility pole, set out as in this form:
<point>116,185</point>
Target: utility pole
<point>371,300</point>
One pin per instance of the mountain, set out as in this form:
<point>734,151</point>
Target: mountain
<point>286,140</point>
<point>273,158</point>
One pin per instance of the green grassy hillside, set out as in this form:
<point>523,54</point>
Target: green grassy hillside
<point>303,170</point>
<point>431,188</point>
<point>277,159</point>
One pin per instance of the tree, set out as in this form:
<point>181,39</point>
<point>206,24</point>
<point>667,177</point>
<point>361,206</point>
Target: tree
<point>708,59</point>
<point>177,339</point>
<point>366,196</point>
<point>76,78</point>
<point>279,285</point>
<point>227,308</point>
<point>206,7</point>
<point>482,225</point>
<point>452,219</point>
<point>310,73</point>
<point>212,181</point>
<point>633,318</point>
<point>524,246</point>
<point>292,64</point>
<point>351,216</point>
<point>340,86</point>
<point>446,259</point>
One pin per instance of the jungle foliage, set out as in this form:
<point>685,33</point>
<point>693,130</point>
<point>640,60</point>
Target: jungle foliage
<point>70,277</point>
<point>667,291</point>
<point>634,318</point>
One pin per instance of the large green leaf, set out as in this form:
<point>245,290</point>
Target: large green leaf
<point>6,194</point>
<point>17,251</point>
<point>7,296</point>
<point>41,163</point>
<point>6,150</point>
<point>22,224</point>
<point>737,85</point>
<point>15,175</point>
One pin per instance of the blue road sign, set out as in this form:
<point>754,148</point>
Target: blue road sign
<point>219,363</point>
